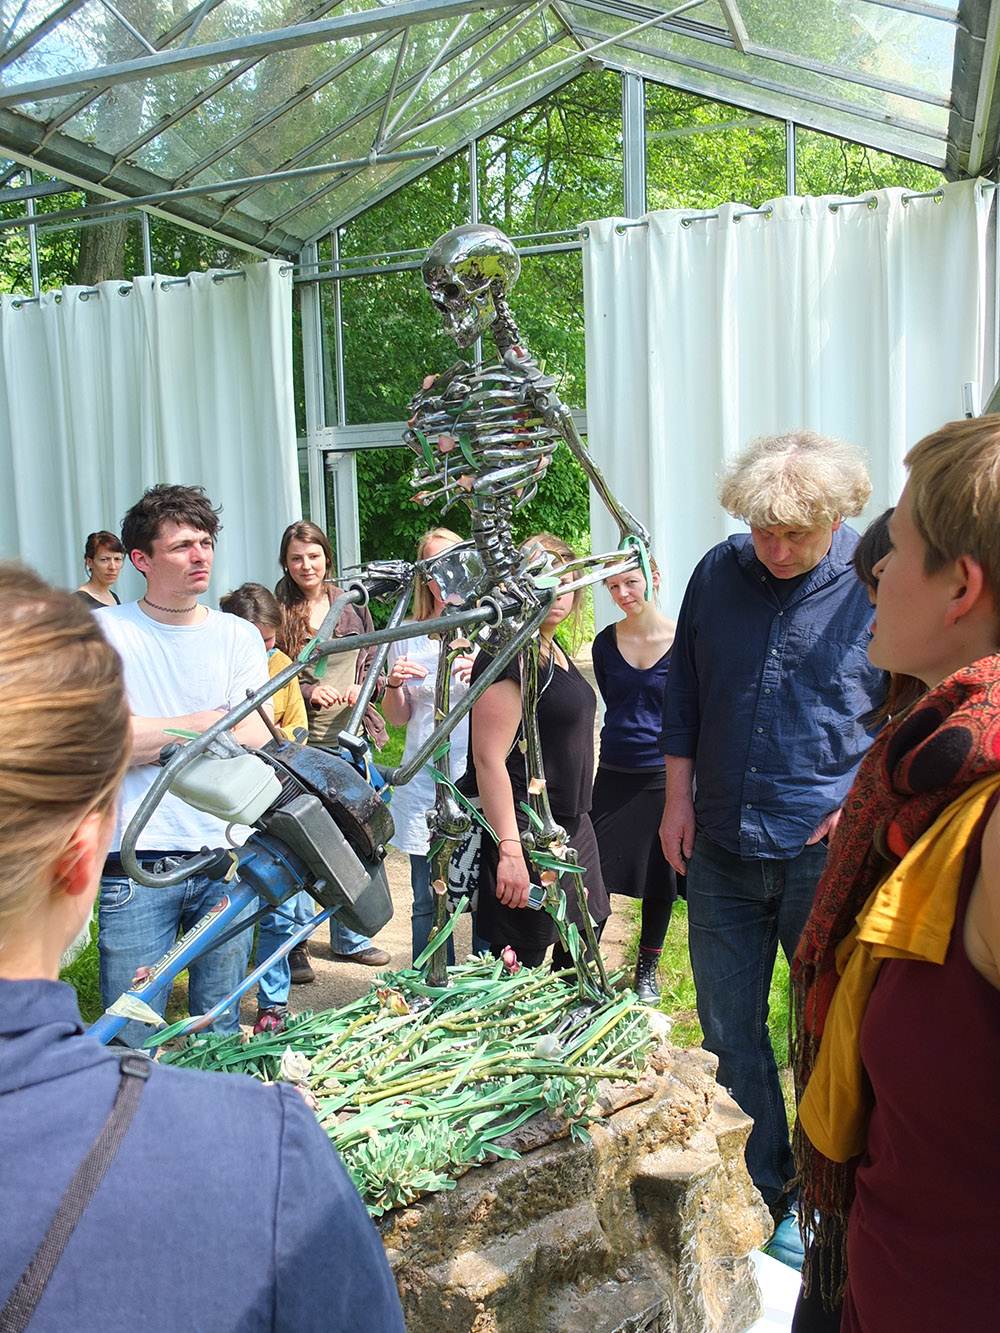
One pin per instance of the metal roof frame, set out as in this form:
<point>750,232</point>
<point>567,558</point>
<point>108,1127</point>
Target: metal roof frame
<point>217,147</point>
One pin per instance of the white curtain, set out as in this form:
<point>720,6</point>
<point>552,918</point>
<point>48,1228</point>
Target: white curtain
<point>861,320</point>
<point>104,392</point>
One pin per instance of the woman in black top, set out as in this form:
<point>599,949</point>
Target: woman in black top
<point>566,710</point>
<point>103,557</point>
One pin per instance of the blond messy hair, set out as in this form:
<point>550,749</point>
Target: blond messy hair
<point>799,479</point>
<point>423,605</point>
<point>64,731</point>
<point>954,491</point>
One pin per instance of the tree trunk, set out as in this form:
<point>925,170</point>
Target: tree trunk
<point>102,250</point>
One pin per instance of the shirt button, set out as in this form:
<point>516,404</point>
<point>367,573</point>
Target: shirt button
<point>774,652</point>
<point>781,613</point>
<point>752,769</point>
<point>767,691</point>
<point>760,731</point>
<point>749,806</point>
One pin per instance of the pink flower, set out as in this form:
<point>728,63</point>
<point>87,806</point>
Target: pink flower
<point>510,960</point>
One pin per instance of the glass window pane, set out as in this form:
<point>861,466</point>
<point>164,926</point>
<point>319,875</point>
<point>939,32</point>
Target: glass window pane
<point>825,165</point>
<point>701,153</point>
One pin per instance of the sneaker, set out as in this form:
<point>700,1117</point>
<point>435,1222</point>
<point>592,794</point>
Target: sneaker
<point>299,965</point>
<point>786,1243</point>
<point>370,957</point>
<point>271,1019</point>
<point>647,990</point>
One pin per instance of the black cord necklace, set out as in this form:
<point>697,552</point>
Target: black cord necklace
<point>170,610</point>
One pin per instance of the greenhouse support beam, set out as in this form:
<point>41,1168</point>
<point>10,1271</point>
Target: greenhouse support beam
<point>223,187</point>
<point>312,380</point>
<point>985,94</point>
<point>801,98</point>
<point>634,144</point>
<point>392,16</point>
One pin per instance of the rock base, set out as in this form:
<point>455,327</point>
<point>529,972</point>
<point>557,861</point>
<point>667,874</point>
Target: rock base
<point>645,1229</point>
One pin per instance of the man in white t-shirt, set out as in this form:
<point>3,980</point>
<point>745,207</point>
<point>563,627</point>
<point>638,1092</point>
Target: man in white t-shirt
<point>184,666</point>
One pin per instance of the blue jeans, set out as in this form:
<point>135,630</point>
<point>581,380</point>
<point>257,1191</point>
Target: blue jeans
<point>423,908</point>
<point>136,927</point>
<point>738,912</point>
<point>274,929</point>
<point>347,941</point>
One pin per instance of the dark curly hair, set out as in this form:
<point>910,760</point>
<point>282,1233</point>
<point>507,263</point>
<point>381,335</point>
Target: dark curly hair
<point>168,504</point>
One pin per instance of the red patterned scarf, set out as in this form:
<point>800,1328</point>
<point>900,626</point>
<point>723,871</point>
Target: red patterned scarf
<point>915,769</point>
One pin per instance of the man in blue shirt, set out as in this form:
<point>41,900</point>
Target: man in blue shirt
<point>763,728</point>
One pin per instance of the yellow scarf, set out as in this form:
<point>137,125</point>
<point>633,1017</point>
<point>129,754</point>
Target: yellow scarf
<point>911,914</point>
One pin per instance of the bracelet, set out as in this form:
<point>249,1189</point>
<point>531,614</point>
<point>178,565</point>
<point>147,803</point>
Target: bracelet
<point>389,685</point>
<point>501,841</point>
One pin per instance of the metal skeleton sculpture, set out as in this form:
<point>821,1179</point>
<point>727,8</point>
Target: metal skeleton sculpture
<point>484,436</point>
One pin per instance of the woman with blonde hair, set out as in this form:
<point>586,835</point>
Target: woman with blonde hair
<point>89,1135</point>
<point>567,707</point>
<point>409,701</point>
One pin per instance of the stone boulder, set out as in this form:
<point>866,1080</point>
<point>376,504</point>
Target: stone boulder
<point>646,1228</point>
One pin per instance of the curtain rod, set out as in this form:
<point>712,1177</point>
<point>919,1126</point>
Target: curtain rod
<point>871,200</point>
<point>405,255</point>
<point>125,288</point>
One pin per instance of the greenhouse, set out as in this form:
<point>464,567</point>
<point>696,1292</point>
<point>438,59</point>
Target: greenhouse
<point>341,141</point>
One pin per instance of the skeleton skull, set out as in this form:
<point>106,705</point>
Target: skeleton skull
<point>463,272</point>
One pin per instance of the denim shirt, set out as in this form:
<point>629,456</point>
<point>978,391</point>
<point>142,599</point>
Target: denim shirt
<point>770,698</point>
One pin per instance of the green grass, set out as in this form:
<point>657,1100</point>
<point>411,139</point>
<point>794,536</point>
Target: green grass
<point>677,995</point>
<point>82,976</point>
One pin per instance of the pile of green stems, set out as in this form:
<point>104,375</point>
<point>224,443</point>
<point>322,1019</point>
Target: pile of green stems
<point>415,1083</point>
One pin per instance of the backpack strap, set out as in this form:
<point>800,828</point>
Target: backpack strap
<point>32,1283</point>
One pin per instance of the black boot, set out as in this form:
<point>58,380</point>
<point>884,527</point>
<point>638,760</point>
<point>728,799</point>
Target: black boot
<point>645,984</point>
<point>299,965</point>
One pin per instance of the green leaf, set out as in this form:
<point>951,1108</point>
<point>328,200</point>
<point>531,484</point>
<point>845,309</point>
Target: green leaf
<point>532,817</point>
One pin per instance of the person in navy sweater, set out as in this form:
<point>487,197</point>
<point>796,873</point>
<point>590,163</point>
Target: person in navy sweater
<point>631,659</point>
<point>225,1205</point>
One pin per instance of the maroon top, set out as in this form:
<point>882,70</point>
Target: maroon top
<point>922,1239</point>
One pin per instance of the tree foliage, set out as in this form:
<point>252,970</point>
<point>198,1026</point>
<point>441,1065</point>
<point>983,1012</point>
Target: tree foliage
<point>553,167</point>
<point>550,169</point>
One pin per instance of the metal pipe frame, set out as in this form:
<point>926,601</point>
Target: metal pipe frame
<point>312,374</point>
<point>222,187</point>
<point>373,105</point>
<point>800,97</point>
<point>417,127</point>
<point>634,144</point>
<point>392,16</point>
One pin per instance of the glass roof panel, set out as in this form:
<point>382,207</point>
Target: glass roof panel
<point>870,70</point>
<point>896,107</point>
<point>856,35</point>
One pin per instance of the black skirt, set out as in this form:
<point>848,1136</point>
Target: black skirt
<point>627,809</point>
<point>522,927</point>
